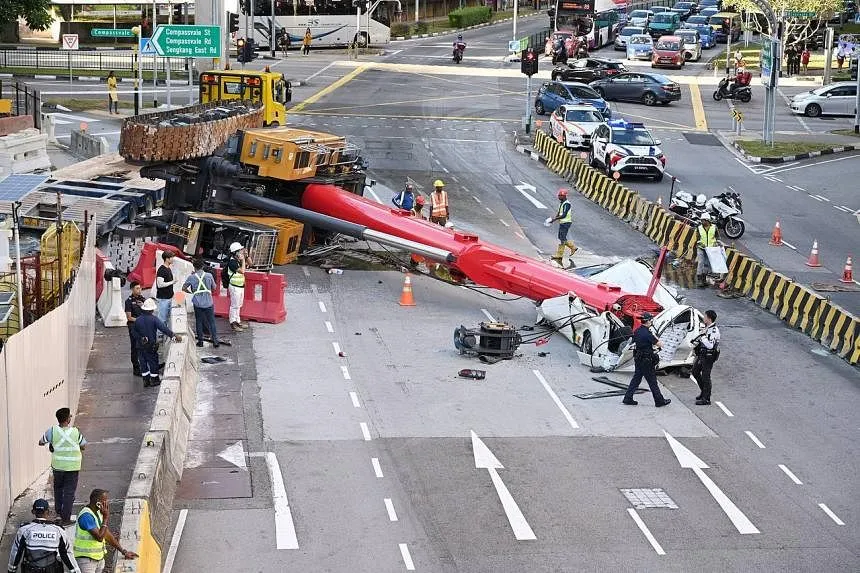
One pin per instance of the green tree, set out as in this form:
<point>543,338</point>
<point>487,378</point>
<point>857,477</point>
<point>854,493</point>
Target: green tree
<point>797,31</point>
<point>37,13</point>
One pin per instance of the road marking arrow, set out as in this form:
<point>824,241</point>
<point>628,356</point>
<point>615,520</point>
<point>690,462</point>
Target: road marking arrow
<point>484,459</point>
<point>527,190</point>
<point>689,460</point>
<point>235,454</point>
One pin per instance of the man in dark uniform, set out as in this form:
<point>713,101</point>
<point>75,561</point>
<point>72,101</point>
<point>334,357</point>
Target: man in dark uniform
<point>146,329</point>
<point>646,363</point>
<point>40,546</point>
<point>132,311</point>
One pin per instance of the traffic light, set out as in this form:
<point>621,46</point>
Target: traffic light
<point>232,23</point>
<point>529,62</point>
<point>250,50</point>
<point>245,6</point>
<point>240,49</point>
<point>177,13</point>
<point>245,51</point>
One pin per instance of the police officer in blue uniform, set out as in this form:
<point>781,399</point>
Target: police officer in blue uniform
<point>646,360</point>
<point>146,329</point>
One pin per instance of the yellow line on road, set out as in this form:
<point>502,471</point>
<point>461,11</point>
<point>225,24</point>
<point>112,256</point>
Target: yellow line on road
<point>698,108</point>
<point>328,89</point>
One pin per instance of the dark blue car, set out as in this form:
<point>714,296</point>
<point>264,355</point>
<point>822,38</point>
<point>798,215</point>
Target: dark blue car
<point>553,94</point>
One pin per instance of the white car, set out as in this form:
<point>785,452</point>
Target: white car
<point>692,43</point>
<point>572,124</point>
<point>640,18</point>
<point>839,98</point>
<point>624,35</point>
<point>626,148</point>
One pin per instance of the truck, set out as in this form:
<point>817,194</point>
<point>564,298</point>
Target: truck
<point>265,87</point>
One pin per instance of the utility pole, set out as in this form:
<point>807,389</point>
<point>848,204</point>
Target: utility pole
<point>272,29</point>
<point>154,57</point>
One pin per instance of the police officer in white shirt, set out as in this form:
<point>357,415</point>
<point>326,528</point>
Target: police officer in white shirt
<point>40,546</point>
<point>707,352</point>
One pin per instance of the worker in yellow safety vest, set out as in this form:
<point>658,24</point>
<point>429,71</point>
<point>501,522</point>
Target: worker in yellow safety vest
<point>66,444</point>
<point>235,272</point>
<point>91,533</point>
<point>706,236</point>
<point>564,216</point>
<point>439,211</point>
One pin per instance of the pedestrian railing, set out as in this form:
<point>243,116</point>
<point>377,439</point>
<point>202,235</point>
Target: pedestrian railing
<point>85,60</point>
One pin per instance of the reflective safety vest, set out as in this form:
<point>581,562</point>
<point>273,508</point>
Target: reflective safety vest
<point>566,218</point>
<point>707,237</point>
<point>439,204</point>
<point>66,443</point>
<point>237,279</point>
<point>201,285</point>
<point>85,544</point>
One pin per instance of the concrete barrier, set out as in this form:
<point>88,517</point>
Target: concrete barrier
<point>86,145</point>
<point>149,501</point>
<point>24,151</point>
<point>110,304</point>
<point>15,124</point>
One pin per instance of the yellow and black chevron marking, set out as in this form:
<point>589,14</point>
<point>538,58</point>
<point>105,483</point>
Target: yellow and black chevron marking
<point>839,331</point>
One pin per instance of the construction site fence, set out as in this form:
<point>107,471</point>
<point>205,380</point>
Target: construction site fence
<point>26,100</point>
<point>41,370</point>
<point>83,59</point>
<point>797,305</point>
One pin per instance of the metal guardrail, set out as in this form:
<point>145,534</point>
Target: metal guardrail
<point>26,100</point>
<point>84,60</point>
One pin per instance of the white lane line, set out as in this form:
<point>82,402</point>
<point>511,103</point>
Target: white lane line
<point>377,469</point>
<point>755,440</point>
<point>790,474</point>
<point>843,208</point>
<point>285,529</point>
<point>174,542</point>
<point>817,163</point>
<point>490,211</point>
<point>830,514</point>
<point>520,235</point>
<point>365,431</point>
<point>407,558</point>
<point>725,410</point>
<point>488,315</point>
<point>522,530</point>
<point>774,178</point>
<point>646,531</point>
<point>306,271</point>
<point>825,199</point>
<point>322,306</point>
<point>373,193</point>
<point>769,178</point>
<point>790,246</point>
<point>389,507</point>
<point>336,347</point>
<point>502,221</point>
<point>556,399</point>
<point>478,201</point>
<point>328,326</point>
<point>354,397</point>
<point>733,512</point>
<point>817,198</point>
<point>445,169</point>
<point>796,188</point>
<point>345,371</point>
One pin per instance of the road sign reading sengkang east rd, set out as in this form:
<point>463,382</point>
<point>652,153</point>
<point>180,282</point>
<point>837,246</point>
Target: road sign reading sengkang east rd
<point>175,41</point>
<point>111,33</point>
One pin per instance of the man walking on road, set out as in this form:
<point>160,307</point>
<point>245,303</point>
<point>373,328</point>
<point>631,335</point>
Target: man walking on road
<point>92,532</point>
<point>66,444</point>
<point>565,218</point>
<point>235,282</point>
<point>40,546</point>
<point>164,286</point>
<point>146,329</point>
<point>707,352</point>
<point>439,211</point>
<point>132,311</point>
<point>706,235</point>
<point>200,285</point>
<point>646,363</point>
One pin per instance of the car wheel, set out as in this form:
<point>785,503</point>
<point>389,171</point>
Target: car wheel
<point>648,98</point>
<point>813,110</point>
<point>688,56</point>
<point>539,108</point>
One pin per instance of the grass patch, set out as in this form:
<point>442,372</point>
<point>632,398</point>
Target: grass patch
<point>846,132</point>
<point>780,148</point>
<point>87,104</point>
<point>62,73</point>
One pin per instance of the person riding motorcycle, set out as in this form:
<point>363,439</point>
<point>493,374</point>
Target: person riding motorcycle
<point>459,44</point>
<point>742,78</point>
<point>559,52</point>
<point>582,50</point>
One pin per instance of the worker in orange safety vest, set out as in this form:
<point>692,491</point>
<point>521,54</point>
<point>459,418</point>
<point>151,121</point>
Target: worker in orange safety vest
<point>439,211</point>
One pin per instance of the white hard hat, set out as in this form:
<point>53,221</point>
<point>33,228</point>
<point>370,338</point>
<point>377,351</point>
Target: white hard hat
<point>701,198</point>
<point>235,247</point>
<point>149,304</point>
<point>705,217</point>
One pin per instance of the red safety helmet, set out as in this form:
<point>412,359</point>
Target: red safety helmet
<point>420,201</point>
<point>562,193</point>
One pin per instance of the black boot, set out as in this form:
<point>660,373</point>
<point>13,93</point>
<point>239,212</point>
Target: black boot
<point>154,381</point>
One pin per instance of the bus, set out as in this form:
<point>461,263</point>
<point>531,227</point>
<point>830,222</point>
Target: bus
<point>596,20</point>
<point>331,22</point>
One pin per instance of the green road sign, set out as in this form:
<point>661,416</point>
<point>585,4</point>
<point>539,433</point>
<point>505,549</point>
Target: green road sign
<point>176,41</point>
<point>798,14</point>
<point>111,33</point>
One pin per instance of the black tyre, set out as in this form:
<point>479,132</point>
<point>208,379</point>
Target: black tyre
<point>132,213</point>
<point>745,97</point>
<point>813,110</point>
<point>555,77</point>
<point>539,108</point>
<point>648,98</point>
<point>717,95</point>
<point>587,347</point>
<point>734,228</point>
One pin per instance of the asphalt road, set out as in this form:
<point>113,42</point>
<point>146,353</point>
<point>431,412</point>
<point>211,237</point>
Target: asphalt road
<point>359,401</point>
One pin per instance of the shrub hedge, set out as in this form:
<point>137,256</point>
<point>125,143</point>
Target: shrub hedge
<point>464,17</point>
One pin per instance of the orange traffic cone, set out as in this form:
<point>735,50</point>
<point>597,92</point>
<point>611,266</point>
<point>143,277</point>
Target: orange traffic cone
<point>847,272</point>
<point>813,256</point>
<point>406,298</point>
<point>776,235</point>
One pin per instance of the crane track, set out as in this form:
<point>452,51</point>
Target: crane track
<point>185,133</point>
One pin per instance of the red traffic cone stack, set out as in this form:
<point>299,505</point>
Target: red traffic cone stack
<point>813,256</point>
<point>847,272</point>
<point>776,235</point>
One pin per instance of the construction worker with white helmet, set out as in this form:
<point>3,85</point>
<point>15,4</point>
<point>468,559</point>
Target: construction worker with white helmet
<point>234,280</point>
<point>706,236</point>
<point>146,329</point>
<point>439,211</point>
<point>565,218</point>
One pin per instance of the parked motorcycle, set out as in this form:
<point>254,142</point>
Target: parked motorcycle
<point>742,93</point>
<point>685,205</point>
<point>458,52</point>
<point>725,210</point>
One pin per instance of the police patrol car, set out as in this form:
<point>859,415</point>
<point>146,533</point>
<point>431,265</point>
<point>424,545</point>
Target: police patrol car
<point>572,125</point>
<point>626,148</point>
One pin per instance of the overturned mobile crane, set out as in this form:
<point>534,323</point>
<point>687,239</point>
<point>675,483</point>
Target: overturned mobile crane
<point>217,159</point>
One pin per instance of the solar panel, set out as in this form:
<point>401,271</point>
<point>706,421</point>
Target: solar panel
<point>6,297</point>
<point>14,187</point>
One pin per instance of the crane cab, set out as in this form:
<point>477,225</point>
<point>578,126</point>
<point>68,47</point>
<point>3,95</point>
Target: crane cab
<point>267,88</point>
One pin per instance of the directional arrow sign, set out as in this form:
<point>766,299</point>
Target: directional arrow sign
<point>180,41</point>
<point>484,459</point>
<point>235,454</point>
<point>689,460</point>
<point>527,191</point>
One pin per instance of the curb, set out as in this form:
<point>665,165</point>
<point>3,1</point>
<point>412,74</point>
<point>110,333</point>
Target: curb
<point>789,158</point>
<point>434,34</point>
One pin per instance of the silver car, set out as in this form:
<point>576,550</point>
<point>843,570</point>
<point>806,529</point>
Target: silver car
<point>833,99</point>
<point>640,18</point>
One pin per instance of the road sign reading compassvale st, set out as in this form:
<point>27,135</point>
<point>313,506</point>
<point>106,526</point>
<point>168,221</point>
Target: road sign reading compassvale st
<point>175,41</point>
